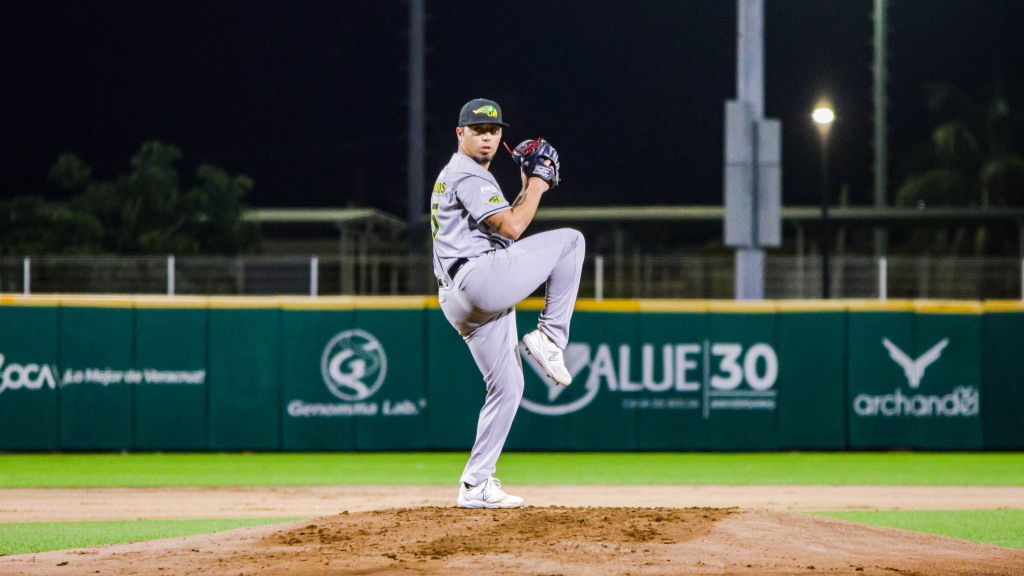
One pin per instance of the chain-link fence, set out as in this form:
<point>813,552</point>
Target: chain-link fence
<point>637,276</point>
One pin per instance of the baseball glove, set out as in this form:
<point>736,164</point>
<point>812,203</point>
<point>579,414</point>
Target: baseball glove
<point>531,156</point>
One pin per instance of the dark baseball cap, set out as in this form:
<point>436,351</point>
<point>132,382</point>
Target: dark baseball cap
<point>481,111</point>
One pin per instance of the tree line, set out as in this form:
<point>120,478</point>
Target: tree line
<point>147,210</point>
<point>972,159</point>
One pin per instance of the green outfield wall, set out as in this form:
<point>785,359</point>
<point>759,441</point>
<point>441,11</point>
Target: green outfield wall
<point>364,374</point>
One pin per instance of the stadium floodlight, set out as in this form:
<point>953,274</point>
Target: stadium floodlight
<point>824,116</point>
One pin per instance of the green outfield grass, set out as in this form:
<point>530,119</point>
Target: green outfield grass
<point>274,469</point>
<point>27,537</point>
<point>1001,527</point>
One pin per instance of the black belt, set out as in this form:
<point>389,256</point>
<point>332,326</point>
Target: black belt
<point>453,270</point>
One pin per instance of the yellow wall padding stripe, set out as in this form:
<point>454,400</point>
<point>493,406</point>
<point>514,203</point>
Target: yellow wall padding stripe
<point>393,302</point>
<point>243,302</point>
<point>358,302</point>
<point>683,306</point>
<point>611,305</point>
<point>811,305</point>
<point>743,306</point>
<point>538,304</point>
<point>318,303</point>
<point>1003,305</point>
<point>880,306</point>
<point>96,301</point>
<point>947,307</point>
<point>534,304</point>
<point>21,300</point>
<point>170,301</point>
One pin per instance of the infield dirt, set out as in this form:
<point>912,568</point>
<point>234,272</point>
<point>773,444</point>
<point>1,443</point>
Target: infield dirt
<point>434,538</point>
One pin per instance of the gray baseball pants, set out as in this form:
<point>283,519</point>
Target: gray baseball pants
<point>480,303</point>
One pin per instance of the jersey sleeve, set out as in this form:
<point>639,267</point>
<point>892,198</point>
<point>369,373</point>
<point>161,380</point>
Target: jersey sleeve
<point>481,197</point>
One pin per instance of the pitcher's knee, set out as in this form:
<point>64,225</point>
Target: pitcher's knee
<point>515,386</point>
<point>507,379</point>
<point>574,237</point>
<point>508,391</point>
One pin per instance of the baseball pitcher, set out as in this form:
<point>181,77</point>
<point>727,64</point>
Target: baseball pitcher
<point>483,270</point>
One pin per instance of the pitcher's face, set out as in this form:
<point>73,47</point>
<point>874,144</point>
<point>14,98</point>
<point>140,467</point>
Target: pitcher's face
<point>479,141</point>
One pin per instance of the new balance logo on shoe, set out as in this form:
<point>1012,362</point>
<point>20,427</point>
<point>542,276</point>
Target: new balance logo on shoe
<point>548,355</point>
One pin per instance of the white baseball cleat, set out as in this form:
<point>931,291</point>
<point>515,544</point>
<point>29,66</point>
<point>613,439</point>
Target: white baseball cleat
<point>487,494</point>
<point>550,357</point>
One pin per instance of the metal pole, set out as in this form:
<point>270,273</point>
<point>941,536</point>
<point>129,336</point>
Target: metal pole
<point>750,55</point>
<point>883,278</point>
<point>170,275</point>
<point>800,265</point>
<point>26,275</point>
<point>348,266</point>
<point>881,121</point>
<point>417,155</point>
<point>826,240</point>
<point>314,275</point>
<point>417,229</point>
<point>599,278</point>
<point>749,263</point>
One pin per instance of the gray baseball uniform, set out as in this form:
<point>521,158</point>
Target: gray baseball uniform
<point>479,301</point>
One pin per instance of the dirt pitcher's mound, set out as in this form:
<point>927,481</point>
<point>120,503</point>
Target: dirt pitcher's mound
<point>548,541</point>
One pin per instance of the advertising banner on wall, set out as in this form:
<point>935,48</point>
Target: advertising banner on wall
<point>811,344</point>
<point>28,377</point>
<point>353,379</point>
<point>244,363</point>
<point>349,374</point>
<point>97,378</point>
<point>671,381</point>
<point>1003,375</point>
<point>915,380</point>
<point>170,359</point>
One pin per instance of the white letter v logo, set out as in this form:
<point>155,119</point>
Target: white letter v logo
<point>914,369</point>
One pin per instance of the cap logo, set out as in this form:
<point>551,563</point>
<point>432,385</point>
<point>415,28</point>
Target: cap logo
<point>489,111</point>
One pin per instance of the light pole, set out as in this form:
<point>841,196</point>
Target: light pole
<point>823,116</point>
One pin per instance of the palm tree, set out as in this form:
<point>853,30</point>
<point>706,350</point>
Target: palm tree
<point>970,163</point>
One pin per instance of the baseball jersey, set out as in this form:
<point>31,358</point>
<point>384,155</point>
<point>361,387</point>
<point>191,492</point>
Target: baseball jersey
<point>464,196</point>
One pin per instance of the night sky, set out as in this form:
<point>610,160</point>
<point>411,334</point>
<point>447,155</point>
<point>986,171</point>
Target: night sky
<point>309,97</point>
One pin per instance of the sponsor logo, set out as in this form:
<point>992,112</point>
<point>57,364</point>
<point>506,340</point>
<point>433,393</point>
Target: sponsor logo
<point>353,365</point>
<point>914,369</point>
<point>489,111</point>
<point>14,376</point>
<point>302,409</point>
<point>689,376</point>
<point>962,401</point>
<point>108,376</point>
<point>543,172</point>
<point>25,376</point>
<point>491,193</point>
